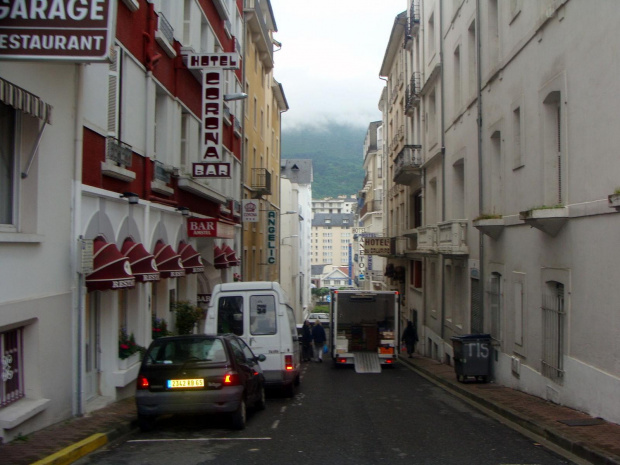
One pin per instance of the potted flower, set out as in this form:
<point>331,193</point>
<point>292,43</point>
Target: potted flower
<point>129,352</point>
<point>159,327</point>
<point>236,277</point>
<point>187,315</point>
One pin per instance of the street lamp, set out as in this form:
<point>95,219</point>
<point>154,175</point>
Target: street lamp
<point>235,96</point>
<point>287,237</point>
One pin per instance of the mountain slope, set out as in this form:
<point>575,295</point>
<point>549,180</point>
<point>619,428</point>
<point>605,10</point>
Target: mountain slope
<point>336,153</point>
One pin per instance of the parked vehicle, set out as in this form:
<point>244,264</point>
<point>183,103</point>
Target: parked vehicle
<point>322,317</point>
<point>258,312</point>
<point>199,374</point>
<point>364,328</point>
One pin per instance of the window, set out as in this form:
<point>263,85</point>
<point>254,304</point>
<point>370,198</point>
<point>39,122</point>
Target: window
<point>496,198</point>
<point>431,35</point>
<point>415,273</point>
<point>230,315</point>
<point>457,79</point>
<point>554,163</point>
<point>553,331</point>
<point>8,171</point>
<point>472,64</point>
<point>262,315</point>
<point>11,357</point>
<point>517,161</point>
<point>493,31</point>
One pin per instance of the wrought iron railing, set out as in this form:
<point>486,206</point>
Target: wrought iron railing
<point>161,172</point>
<point>118,152</point>
<point>165,28</point>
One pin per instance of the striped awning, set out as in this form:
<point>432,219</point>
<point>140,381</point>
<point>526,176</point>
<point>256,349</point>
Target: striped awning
<point>22,100</point>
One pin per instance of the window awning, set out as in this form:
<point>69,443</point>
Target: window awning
<point>168,262</point>
<point>231,256</point>
<point>142,262</point>
<point>190,259</point>
<point>219,258</point>
<point>111,269</point>
<point>22,100</point>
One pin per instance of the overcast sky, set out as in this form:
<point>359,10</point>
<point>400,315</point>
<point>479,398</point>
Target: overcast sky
<point>331,55</point>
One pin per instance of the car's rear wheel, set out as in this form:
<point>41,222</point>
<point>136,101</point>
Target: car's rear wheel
<point>146,422</point>
<point>261,402</point>
<point>239,416</point>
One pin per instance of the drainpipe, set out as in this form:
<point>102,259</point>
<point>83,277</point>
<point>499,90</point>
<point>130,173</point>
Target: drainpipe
<point>75,218</point>
<point>443,168</point>
<point>480,170</point>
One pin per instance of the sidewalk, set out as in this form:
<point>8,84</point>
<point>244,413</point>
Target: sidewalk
<point>590,438</point>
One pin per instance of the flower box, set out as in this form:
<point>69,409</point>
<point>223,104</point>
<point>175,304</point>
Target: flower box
<point>126,363</point>
<point>548,220</point>
<point>614,201</point>
<point>492,227</point>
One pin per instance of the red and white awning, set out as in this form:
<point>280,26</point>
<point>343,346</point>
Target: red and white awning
<point>190,259</point>
<point>142,262</point>
<point>231,256</point>
<point>168,261</point>
<point>219,258</point>
<point>111,269</point>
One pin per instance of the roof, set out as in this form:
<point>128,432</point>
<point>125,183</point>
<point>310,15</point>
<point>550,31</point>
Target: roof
<point>297,170</point>
<point>335,219</point>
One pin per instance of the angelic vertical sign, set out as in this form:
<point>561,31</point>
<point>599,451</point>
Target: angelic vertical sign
<point>214,66</point>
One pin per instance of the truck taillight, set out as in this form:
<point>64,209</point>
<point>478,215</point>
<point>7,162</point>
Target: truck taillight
<point>288,362</point>
<point>143,382</point>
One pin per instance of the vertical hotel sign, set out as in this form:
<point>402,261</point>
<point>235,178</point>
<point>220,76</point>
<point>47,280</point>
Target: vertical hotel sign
<point>214,65</point>
<point>62,30</point>
<point>272,236</point>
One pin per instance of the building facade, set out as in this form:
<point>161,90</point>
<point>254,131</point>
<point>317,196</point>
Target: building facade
<point>261,151</point>
<point>124,178</point>
<point>506,208</point>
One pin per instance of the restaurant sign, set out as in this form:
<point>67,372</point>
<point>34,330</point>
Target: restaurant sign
<point>209,227</point>
<point>62,30</point>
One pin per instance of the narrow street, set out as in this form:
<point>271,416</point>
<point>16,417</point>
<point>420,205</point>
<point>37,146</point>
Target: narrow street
<point>339,417</point>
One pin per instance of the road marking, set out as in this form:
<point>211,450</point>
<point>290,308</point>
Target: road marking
<point>275,424</point>
<point>283,409</point>
<point>200,439</point>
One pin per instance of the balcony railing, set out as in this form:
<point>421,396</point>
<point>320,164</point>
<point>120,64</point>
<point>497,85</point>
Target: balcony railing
<point>453,237</point>
<point>372,206</point>
<point>261,182</point>
<point>407,164</point>
<point>412,98</point>
<point>118,152</point>
<point>165,28</point>
<point>413,24</point>
<point>427,239</point>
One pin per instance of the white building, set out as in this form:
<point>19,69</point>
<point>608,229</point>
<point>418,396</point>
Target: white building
<point>513,238</point>
<point>296,228</point>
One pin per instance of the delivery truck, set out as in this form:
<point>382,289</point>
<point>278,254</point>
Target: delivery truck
<point>364,329</point>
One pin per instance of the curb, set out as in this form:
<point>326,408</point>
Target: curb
<point>578,449</point>
<point>86,446</point>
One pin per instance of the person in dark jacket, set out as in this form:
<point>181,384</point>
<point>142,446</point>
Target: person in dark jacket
<point>319,338</point>
<point>410,337</point>
<point>306,342</point>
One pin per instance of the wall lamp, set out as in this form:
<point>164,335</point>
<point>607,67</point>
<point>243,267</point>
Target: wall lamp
<point>235,96</point>
<point>131,197</point>
<point>184,211</point>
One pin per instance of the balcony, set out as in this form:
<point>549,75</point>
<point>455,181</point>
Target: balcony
<point>407,164</point>
<point>549,220</point>
<point>117,159</point>
<point>398,246</point>
<point>164,35</point>
<point>412,95</point>
<point>374,206</point>
<point>255,19</point>
<point>261,182</point>
<point>453,237</point>
<point>427,239</point>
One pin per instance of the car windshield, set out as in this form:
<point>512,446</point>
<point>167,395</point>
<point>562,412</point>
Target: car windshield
<point>170,351</point>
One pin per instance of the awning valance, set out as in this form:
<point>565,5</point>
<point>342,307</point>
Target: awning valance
<point>168,261</point>
<point>219,258</point>
<point>111,269</point>
<point>190,259</point>
<point>142,262</point>
<point>231,256</point>
<point>22,100</point>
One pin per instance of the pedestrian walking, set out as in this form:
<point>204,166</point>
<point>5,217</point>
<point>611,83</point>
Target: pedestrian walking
<point>319,338</point>
<point>306,342</point>
<point>410,337</point>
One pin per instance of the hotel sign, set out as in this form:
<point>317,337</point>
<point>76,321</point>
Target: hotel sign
<point>214,65</point>
<point>209,227</point>
<point>63,30</point>
<point>272,236</point>
<point>376,246</point>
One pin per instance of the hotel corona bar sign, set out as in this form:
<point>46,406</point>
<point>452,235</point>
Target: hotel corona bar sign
<point>63,30</point>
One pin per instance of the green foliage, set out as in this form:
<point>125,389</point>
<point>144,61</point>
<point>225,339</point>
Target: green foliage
<point>127,344</point>
<point>321,309</point>
<point>187,315</point>
<point>336,153</point>
<point>159,328</point>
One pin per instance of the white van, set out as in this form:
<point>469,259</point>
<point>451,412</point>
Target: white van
<point>259,313</point>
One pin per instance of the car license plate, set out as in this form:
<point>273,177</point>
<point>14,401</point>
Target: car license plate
<point>186,383</point>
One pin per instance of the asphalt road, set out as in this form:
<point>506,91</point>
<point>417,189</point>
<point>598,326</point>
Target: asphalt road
<point>338,417</point>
